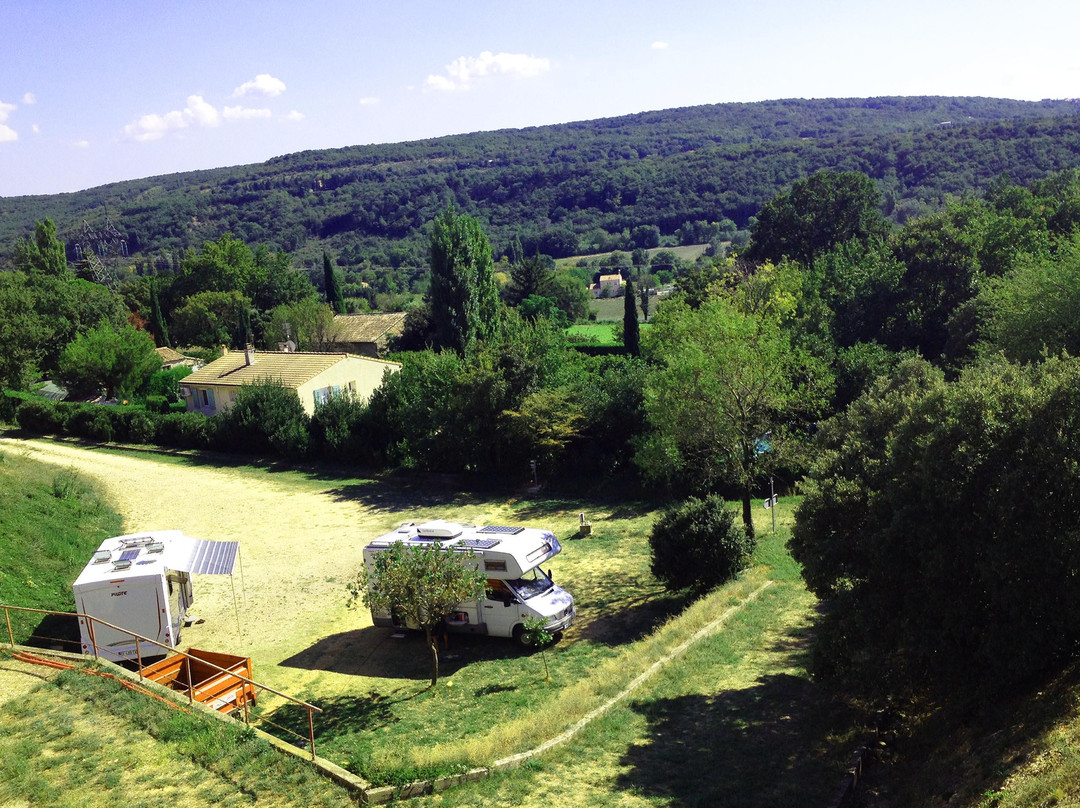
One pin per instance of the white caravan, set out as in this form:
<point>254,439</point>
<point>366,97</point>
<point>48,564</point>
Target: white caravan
<point>510,557</point>
<point>141,582</point>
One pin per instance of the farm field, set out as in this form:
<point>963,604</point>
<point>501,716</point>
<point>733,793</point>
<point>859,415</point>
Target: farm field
<point>301,537</point>
<point>688,253</point>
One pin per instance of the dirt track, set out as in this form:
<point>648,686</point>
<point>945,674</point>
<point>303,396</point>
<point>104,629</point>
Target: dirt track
<point>300,541</point>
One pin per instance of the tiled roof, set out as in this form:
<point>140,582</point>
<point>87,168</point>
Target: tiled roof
<point>292,369</point>
<point>610,278</point>
<point>367,327</point>
<point>169,355</point>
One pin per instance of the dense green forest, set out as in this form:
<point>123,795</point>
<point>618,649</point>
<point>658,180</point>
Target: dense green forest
<point>571,188</point>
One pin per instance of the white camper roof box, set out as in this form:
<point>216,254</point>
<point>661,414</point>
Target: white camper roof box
<point>438,529</point>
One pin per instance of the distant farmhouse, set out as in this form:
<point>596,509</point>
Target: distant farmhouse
<point>171,359</point>
<point>314,376</point>
<point>367,334</point>
<point>608,286</point>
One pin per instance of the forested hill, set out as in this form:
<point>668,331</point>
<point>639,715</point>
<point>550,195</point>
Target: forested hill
<point>561,188</point>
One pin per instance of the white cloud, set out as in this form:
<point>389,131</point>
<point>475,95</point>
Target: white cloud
<point>203,113</point>
<point>295,115</point>
<point>244,113</point>
<point>80,144</point>
<point>7,134</point>
<point>35,129</point>
<point>659,46</point>
<point>154,126</point>
<point>368,101</point>
<point>262,84</point>
<point>461,72</point>
<point>29,99</point>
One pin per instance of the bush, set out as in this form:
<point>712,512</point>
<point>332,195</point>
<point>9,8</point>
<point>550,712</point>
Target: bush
<point>8,406</point>
<point>91,423</point>
<point>336,428</point>
<point>155,403</point>
<point>133,427</point>
<point>166,383</point>
<point>266,417</point>
<point>698,545</point>
<point>41,417</point>
<point>186,430</point>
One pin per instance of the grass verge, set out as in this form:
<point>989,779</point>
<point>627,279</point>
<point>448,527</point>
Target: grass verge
<point>52,520</point>
<point>86,741</point>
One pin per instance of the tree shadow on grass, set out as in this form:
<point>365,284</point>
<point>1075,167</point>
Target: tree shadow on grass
<point>779,742</point>
<point>341,715</point>
<point>381,496</point>
<point>378,652</point>
<point>631,619</point>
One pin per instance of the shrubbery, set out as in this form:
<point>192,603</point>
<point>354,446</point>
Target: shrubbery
<point>266,417</point>
<point>92,423</point>
<point>42,417</point>
<point>337,429</point>
<point>185,430</point>
<point>698,545</point>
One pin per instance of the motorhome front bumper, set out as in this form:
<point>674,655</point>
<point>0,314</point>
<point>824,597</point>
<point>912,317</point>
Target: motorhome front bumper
<point>562,623</point>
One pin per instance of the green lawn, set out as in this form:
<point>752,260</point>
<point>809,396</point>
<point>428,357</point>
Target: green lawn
<point>494,700</point>
<point>51,520</point>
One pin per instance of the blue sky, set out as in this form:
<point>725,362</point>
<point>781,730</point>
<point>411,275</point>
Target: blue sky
<point>94,92</point>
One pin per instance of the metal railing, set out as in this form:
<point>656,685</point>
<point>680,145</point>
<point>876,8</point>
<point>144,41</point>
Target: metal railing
<point>166,651</point>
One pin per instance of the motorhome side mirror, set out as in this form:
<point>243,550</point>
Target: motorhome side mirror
<point>507,602</point>
<point>549,573</point>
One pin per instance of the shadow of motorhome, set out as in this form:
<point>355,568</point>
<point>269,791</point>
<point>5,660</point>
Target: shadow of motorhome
<point>55,632</point>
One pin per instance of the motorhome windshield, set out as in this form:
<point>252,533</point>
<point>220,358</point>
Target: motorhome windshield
<point>532,583</point>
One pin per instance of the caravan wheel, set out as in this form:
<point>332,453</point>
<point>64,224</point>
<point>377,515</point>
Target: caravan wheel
<point>521,638</point>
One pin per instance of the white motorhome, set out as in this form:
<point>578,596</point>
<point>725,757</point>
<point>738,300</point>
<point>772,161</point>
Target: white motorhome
<point>510,557</point>
<point>141,583</point>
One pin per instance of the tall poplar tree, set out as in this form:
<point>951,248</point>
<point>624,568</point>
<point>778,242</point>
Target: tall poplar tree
<point>464,297</point>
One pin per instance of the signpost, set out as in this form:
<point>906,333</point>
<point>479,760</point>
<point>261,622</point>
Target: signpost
<point>770,503</point>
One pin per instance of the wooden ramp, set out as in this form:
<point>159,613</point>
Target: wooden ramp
<point>222,690</point>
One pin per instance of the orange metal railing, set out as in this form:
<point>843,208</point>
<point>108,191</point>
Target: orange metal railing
<point>256,687</point>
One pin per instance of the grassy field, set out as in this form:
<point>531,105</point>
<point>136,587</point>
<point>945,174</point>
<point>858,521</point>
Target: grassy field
<point>83,741</point>
<point>688,253</point>
<point>735,720</point>
<point>51,519</point>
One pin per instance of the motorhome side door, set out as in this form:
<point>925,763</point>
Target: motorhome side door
<point>500,609</point>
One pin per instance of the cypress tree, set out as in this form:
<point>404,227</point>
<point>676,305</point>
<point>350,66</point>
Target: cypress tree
<point>334,297</point>
<point>158,326</point>
<point>631,330</point>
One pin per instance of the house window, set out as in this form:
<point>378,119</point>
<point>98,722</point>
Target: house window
<point>205,398</point>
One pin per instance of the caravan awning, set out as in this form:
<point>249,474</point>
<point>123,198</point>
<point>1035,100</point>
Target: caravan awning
<point>203,557</point>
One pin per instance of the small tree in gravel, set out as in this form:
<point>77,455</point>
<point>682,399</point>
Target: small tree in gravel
<point>698,545</point>
<point>419,583</point>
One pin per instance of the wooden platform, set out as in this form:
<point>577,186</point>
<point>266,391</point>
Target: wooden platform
<point>208,685</point>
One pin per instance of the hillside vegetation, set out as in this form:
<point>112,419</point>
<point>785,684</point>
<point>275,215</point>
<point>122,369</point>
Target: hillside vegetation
<point>570,186</point>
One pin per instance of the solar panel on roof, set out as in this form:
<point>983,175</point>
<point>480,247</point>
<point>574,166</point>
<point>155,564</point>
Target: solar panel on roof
<point>505,530</point>
<point>480,544</point>
<point>129,555</point>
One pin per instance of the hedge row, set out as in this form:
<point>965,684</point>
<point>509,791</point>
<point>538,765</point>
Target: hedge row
<point>123,424</point>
